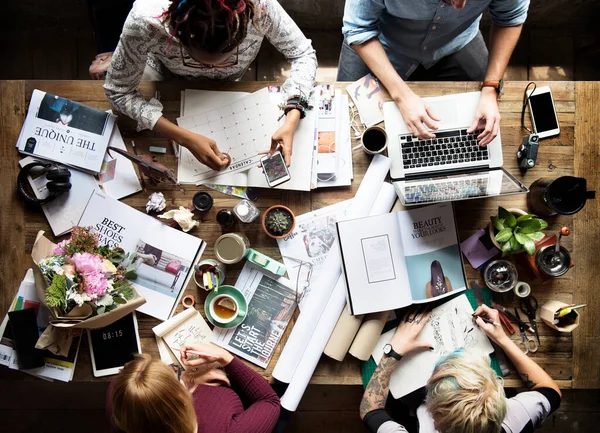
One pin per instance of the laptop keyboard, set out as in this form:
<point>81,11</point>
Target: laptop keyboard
<point>449,147</point>
<point>446,191</point>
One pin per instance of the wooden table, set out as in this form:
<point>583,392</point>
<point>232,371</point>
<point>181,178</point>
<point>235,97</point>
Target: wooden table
<point>570,359</point>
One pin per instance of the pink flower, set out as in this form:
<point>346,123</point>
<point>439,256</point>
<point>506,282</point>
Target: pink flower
<point>60,248</point>
<point>95,284</point>
<point>86,263</point>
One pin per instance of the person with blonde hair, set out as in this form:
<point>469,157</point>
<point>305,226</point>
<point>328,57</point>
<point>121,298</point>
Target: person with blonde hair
<point>463,394</point>
<point>149,396</point>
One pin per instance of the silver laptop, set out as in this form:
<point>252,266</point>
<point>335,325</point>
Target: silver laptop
<point>451,166</point>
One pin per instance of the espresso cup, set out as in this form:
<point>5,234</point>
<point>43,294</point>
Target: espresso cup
<point>221,314</point>
<point>374,140</point>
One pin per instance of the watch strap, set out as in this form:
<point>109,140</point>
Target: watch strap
<point>393,353</point>
<point>491,83</point>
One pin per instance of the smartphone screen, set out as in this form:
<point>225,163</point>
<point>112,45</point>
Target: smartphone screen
<point>275,168</point>
<point>542,109</point>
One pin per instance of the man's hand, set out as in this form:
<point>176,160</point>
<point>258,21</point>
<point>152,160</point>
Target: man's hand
<point>487,116</point>
<point>496,333</point>
<point>284,137</point>
<point>405,338</point>
<point>206,151</point>
<point>417,115</point>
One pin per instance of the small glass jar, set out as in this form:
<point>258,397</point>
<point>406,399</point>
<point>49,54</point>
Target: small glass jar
<point>246,211</point>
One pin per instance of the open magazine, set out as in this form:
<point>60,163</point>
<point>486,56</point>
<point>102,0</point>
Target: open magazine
<point>271,304</point>
<point>163,256</point>
<point>56,367</point>
<point>394,260</point>
<point>65,131</point>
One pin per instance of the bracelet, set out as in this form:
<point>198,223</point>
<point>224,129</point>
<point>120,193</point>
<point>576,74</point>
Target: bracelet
<point>296,102</point>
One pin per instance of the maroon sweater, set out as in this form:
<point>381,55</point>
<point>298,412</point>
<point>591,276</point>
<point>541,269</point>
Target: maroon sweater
<point>249,406</point>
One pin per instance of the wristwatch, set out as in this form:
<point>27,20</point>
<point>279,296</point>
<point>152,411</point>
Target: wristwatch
<point>388,350</point>
<point>496,84</point>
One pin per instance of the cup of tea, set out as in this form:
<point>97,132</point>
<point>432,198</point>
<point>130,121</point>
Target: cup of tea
<point>374,140</point>
<point>224,308</point>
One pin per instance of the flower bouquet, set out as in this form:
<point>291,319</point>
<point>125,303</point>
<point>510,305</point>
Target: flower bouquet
<point>85,285</point>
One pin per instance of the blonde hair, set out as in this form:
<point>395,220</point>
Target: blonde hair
<point>147,397</point>
<point>464,395</point>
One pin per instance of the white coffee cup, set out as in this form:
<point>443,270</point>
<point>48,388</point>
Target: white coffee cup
<point>218,317</point>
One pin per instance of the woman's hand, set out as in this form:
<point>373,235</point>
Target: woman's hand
<point>206,353</point>
<point>496,333</point>
<point>417,115</point>
<point>206,151</point>
<point>206,375</point>
<point>283,138</point>
<point>405,338</point>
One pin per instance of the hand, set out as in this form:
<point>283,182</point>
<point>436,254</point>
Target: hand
<point>496,333</point>
<point>283,138</point>
<point>417,115</point>
<point>206,151</point>
<point>487,116</point>
<point>405,338</point>
<point>206,375</point>
<point>209,353</point>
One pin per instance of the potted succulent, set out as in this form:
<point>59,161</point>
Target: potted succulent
<point>278,221</point>
<point>514,230</point>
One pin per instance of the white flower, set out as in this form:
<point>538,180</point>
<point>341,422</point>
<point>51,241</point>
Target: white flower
<point>80,298</point>
<point>109,286</point>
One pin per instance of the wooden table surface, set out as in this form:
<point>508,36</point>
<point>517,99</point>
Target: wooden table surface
<point>571,359</point>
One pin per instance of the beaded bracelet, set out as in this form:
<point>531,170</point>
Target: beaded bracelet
<point>296,102</point>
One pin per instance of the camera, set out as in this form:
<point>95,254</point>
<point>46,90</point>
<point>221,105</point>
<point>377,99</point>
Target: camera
<point>527,153</point>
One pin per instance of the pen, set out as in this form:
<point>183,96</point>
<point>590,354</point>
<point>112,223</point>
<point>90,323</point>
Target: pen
<point>491,322</point>
<point>193,352</point>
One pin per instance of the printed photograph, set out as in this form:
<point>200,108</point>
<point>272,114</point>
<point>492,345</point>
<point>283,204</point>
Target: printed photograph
<point>326,142</point>
<point>274,168</point>
<point>65,112</point>
<point>318,235</point>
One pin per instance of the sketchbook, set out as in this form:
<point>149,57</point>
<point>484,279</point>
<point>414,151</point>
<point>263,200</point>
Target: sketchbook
<point>451,327</point>
<point>394,260</point>
<point>163,256</point>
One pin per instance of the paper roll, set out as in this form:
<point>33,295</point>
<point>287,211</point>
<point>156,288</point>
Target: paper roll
<point>314,308</point>
<point>342,336</point>
<point>331,312</point>
<point>522,289</point>
<point>175,321</point>
<point>368,334</point>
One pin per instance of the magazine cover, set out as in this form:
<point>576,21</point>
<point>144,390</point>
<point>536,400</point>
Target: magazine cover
<point>163,256</point>
<point>368,98</point>
<point>271,304</point>
<point>65,131</point>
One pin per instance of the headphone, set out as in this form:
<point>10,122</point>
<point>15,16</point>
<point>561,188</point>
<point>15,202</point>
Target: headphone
<point>58,181</point>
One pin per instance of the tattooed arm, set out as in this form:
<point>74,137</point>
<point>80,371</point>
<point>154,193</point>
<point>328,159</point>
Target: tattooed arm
<point>377,390</point>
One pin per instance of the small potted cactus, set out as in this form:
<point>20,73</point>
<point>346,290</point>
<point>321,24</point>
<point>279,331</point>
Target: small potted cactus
<point>278,221</point>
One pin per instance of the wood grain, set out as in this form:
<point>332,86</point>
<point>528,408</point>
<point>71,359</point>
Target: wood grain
<point>556,158</point>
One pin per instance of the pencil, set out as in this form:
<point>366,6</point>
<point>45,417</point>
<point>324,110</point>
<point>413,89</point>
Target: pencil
<point>193,352</point>
<point>491,322</point>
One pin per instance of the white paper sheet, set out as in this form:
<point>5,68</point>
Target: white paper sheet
<point>326,323</point>
<point>307,322</point>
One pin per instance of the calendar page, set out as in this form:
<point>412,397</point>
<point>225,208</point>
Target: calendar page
<point>242,129</point>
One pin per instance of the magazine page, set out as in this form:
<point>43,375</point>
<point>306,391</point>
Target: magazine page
<point>163,256</point>
<point>373,264</point>
<point>432,252</point>
<point>271,304</point>
<point>450,327</point>
<point>65,131</point>
<point>304,251</point>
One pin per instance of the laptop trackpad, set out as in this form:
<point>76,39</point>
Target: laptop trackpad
<point>446,109</point>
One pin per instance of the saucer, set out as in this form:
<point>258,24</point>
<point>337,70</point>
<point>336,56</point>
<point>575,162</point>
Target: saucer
<point>235,294</point>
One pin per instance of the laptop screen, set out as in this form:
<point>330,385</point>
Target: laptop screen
<point>441,188</point>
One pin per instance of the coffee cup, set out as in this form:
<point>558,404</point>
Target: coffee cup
<point>374,140</point>
<point>224,308</point>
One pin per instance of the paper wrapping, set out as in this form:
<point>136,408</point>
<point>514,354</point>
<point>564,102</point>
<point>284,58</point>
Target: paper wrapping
<point>342,336</point>
<point>368,334</point>
<point>77,318</point>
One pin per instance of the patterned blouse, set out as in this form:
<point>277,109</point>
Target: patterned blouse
<point>145,43</point>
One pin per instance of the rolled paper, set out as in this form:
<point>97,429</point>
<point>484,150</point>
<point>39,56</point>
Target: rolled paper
<point>368,335</point>
<point>342,336</point>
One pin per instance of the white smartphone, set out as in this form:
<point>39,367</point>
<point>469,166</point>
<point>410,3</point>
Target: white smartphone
<point>543,113</point>
<point>115,345</point>
<point>275,170</point>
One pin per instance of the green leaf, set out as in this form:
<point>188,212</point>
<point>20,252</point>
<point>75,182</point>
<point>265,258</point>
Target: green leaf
<point>514,244</point>
<point>525,217</point>
<point>503,235</point>
<point>56,293</point>
<point>131,275</point>
<point>543,223</point>
<point>124,290</point>
<point>506,249</point>
<point>101,310</point>
<point>537,236</point>
<point>498,223</point>
<point>119,300</point>
<point>532,226</point>
<point>509,218</point>
<point>529,247</point>
<point>522,239</point>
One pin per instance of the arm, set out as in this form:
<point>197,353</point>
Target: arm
<point>533,376</point>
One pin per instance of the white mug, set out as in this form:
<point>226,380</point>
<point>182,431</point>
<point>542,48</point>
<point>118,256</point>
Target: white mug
<point>218,318</point>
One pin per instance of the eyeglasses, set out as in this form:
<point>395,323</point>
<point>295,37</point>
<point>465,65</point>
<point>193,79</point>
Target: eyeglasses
<point>227,64</point>
<point>176,369</point>
<point>306,283</point>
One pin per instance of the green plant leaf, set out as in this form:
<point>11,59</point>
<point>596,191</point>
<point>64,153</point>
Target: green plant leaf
<point>505,249</point>
<point>124,290</point>
<point>529,247</point>
<point>525,217</point>
<point>522,239</point>
<point>119,300</point>
<point>536,236</point>
<point>131,275</point>
<point>498,223</point>
<point>532,226</point>
<point>514,244</point>
<point>542,222</point>
<point>101,309</point>
<point>503,235</point>
<point>509,218</point>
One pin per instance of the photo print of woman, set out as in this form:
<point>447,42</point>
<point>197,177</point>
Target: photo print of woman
<point>439,284</point>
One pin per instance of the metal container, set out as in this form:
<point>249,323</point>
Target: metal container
<point>500,276</point>
<point>551,262</point>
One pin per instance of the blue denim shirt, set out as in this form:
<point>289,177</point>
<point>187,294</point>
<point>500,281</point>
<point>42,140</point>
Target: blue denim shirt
<point>417,32</point>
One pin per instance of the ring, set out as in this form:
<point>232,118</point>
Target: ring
<point>410,320</point>
<point>417,321</point>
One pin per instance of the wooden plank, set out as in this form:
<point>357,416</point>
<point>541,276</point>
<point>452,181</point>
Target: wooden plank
<point>586,339</point>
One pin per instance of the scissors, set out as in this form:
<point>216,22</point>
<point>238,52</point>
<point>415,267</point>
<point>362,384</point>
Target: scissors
<point>527,344</point>
<point>529,306</point>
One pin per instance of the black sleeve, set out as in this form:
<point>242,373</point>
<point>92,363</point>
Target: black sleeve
<point>374,419</point>
<point>552,396</point>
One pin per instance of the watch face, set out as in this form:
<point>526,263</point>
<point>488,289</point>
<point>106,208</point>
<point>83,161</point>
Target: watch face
<point>387,348</point>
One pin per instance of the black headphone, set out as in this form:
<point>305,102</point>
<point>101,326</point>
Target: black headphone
<point>58,181</point>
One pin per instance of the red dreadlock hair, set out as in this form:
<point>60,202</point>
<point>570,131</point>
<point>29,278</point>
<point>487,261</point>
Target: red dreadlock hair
<point>215,26</point>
